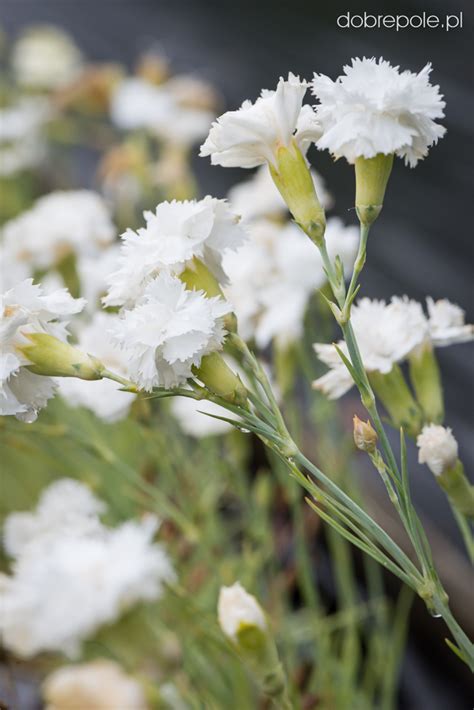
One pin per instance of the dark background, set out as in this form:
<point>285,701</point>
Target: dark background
<point>422,243</point>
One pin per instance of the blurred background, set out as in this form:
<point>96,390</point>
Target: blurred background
<point>421,245</point>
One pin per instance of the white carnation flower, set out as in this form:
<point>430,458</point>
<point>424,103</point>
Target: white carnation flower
<point>22,140</point>
<point>69,580</point>
<point>446,323</point>
<point>259,197</point>
<point>103,397</point>
<point>374,108</point>
<point>169,332</point>
<point>237,608</point>
<point>174,234</point>
<point>26,309</point>
<point>66,506</point>
<point>386,334</point>
<point>438,448</point>
<point>99,685</point>
<point>139,104</point>
<point>252,135</point>
<point>46,57</point>
<point>193,420</point>
<point>274,274</point>
<point>59,223</point>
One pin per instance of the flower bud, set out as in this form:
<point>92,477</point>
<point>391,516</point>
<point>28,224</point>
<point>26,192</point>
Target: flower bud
<point>238,610</point>
<point>372,176</point>
<point>219,378</point>
<point>365,436</point>
<point>295,184</point>
<point>243,621</point>
<point>438,448</point>
<point>52,357</point>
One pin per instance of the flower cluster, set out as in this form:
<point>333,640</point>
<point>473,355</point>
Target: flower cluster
<point>388,333</point>
<point>27,309</point>
<point>63,222</point>
<point>164,110</point>
<point>71,574</point>
<point>374,108</point>
<point>274,274</point>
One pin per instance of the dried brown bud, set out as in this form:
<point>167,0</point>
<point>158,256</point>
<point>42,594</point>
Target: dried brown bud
<point>365,436</point>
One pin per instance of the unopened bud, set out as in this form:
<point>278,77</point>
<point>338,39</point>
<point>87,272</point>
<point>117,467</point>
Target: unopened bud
<point>218,377</point>
<point>53,358</point>
<point>365,436</point>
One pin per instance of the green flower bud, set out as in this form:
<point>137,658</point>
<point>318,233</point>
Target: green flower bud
<point>52,357</point>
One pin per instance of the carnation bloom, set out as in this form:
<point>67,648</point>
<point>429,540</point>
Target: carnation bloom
<point>174,234</point>
<point>138,103</point>
<point>388,334</point>
<point>237,608</point>
<point>252,135</point>
<point>374,108</point>
<point>59,223</point>
<point>66,506</point>
<point>22,142</point>
<point>99,685</point>
<point>68,580</point>
<point>103,397</point>
<point>446,323</point>
<point>274,274</point>
<point>46,57</point>
<point>168,332</point>
<point>27,309</point>
<point>258,197</point>
<point>192,416</point>
<point>438,448</point>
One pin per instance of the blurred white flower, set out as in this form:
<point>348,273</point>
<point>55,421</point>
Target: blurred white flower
<point>438,448</point>
<point>66,506</point>
<point>252,135</point>
<point>374,108</point>
<point>45,57</point>
<point>58,224</point>
<point>68,580</point>
<point>12,271</point>
<point>174,234</point>
<point>193,420</point>
<point>139,104</point>
<point>26,309</point>
<point>94,272</point>
<point>237,608</point>
<point>388,334</point>
<point>103,397</point>
<point>99,685</point>
<point>22,141</point>
<point>193,92</point>
<point>446,323</point>
<point>168,332</point>
<point>259,197</point>
<point>274,274</point>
